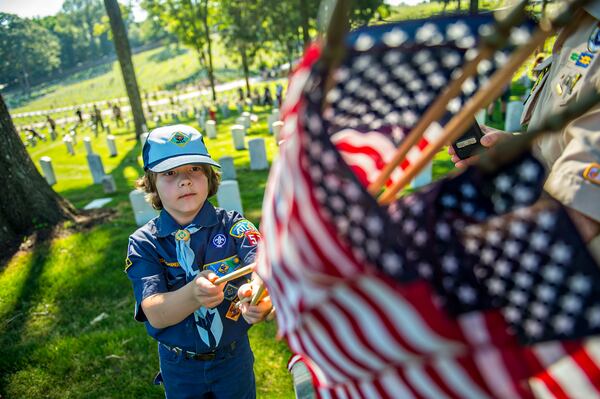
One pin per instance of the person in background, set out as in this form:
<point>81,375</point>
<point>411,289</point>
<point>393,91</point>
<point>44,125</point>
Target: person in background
<point>572,156</point>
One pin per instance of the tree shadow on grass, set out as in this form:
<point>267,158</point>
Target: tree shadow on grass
<point>72,319</point>
<point>49,333</point>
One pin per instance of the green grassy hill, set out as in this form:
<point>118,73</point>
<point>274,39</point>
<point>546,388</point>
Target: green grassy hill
<point>162,68</point>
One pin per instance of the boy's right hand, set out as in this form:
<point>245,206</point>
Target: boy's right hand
<point>491,137</point>
<point>205,292</point>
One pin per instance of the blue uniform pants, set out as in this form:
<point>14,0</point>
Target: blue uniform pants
<point>229,375</point>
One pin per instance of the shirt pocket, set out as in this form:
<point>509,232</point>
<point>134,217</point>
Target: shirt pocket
<point>533,98</point>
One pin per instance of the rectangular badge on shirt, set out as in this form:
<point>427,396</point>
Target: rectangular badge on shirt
<point>223,266</point>
<point>234,312</point>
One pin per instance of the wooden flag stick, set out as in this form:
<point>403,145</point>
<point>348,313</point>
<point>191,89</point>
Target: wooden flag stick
<point>238,273</point>
<point>259,294</point>
<point>461,121</point>
<point>438,108</point>
<point>433,113</point>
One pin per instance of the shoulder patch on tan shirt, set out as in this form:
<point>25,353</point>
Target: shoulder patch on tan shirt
<point>592,173</point>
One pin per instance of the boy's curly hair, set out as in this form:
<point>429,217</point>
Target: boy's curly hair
<point>147,183</point>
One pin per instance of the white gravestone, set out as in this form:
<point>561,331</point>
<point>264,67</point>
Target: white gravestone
<point>238,134</point>
<point>270,120</point>
<point>225,110</point>
<point>246,116</point>
<point>227,168</point>
<point>96,167</point>
<point>201,121</point>
<point>112,145</point>
<point>87,142</point>
<point>69,144</point>
<point>276,113</point>
<point>258,154</point>
<point>97,203</point>
<point>211,129</point>
<point>241,121</point>
<point>108,184</point>
<point>48,170</point>
<point>302,380</point>
<point>228,196</point>
<point>142,210</point>
<point>277,130</point>
<point>423,178</point>
<point>514,110</point>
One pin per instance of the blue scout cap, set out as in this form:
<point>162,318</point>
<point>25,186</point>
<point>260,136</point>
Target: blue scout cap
<point>172,146</point>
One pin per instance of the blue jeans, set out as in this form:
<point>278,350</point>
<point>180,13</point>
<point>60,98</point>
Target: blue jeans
<point>229,375</point>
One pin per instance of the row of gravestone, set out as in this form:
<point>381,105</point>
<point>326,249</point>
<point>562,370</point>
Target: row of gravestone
<point>70,141</point>
<point>96,168</point>
<point>94,162</point>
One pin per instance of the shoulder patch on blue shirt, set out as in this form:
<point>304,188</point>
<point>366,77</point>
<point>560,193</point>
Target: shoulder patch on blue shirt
<point>128,263</point>
<point>240,227</point>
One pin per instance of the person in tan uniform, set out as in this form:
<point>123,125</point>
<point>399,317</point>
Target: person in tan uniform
<point>571,156</point>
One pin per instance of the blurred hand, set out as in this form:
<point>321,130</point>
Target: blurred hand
<point>253,313</point>
<point>490,138</point>
<point>205,292</point>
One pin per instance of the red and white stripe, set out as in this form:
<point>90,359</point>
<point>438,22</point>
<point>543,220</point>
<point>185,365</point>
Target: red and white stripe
<point>307,267</point>
<point>368,153</point>
<point>364,336</point>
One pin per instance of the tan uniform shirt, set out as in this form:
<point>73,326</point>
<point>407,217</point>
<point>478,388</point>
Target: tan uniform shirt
<point>570,155</point>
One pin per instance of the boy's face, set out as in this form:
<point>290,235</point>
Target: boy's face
<point>182,191</point>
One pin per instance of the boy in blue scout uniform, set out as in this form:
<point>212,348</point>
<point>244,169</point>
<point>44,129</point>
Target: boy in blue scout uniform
<point>572,156</point>
<point>172,262</point>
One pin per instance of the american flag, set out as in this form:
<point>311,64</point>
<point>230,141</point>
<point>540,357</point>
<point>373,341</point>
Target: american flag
<point>391,74</point>
<point>464,289</point>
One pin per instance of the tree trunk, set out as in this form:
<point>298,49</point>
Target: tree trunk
<point>124,54</point>
<point>245,67</point>
<point>305,27</point>
<point>211,75</point>
<point>27,202</point>
<point>473,6</point>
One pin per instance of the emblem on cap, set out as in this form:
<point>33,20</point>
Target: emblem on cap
<point>180,138</point>
<point>182,235</point>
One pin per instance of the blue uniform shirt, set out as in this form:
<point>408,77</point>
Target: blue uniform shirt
<point>225,242</point>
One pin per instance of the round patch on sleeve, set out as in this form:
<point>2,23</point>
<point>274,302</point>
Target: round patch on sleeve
<point>241,227</point>
<point>219,240</point>
<point>592,173</point>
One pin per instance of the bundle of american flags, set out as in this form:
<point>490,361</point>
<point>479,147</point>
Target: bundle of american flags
<point>468,288</point>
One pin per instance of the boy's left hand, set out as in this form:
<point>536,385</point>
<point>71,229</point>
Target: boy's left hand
<point>253,313</point>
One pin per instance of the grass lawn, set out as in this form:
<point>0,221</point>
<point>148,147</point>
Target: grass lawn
<point>50,296</point>
<point>162,68</point>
